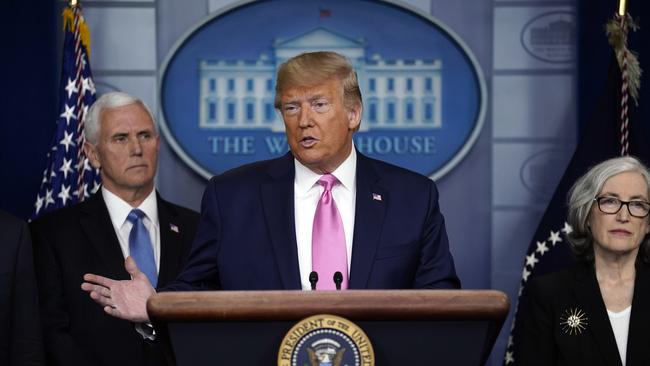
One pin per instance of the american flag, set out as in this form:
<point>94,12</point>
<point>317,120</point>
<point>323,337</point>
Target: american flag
<point>68,177</point>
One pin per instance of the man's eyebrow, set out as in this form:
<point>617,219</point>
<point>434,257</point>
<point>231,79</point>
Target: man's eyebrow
<point>317,96</point>
<point>119,134</point>
<point>290,101</point>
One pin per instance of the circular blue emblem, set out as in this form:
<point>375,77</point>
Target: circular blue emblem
<point>424,93</point>
<point>327,347</point>
<point>326,340</point>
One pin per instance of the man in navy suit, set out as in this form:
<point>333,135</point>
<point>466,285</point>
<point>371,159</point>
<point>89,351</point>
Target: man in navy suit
<point>258,221</point>
<point>97,235</point>
<point>20,327</point>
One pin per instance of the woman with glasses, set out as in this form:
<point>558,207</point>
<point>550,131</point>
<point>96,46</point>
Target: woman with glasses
<point>597,312</point>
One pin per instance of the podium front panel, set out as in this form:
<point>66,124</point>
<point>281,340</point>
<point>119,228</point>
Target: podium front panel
<point>395,343</point>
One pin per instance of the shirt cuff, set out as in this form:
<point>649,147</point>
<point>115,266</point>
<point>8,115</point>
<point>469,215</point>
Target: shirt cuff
<point>146,330</point>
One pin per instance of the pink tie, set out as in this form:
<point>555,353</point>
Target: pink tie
<point>329,254</point>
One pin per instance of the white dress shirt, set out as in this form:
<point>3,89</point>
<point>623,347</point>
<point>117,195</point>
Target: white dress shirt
<point>118,209</point>
<point>620,325</point>
<point>307,193</point>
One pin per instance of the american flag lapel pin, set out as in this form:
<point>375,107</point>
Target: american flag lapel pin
<point>173,228</point>
<point>376,197</point>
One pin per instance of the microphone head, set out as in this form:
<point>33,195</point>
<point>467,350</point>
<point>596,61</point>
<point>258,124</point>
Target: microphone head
<point>313,278</point>
<point>338,279</point>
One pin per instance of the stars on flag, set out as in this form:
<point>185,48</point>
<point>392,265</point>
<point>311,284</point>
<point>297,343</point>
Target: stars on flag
<point>64,195</point>
<point>541,247</point>
<point>86,165</point>
<point>66,167</point>
<point>531,260</point>
<point>39,203</point>
<point>87,85</point>
<point>555,237</point>
<point>509,358</point>
<point>69,177</point>
<point>48,198</point>
<point>96,185</point>
<point>567,229</point>
<point>68,114</point>
<point>67,140</point>
<point>71,88</point>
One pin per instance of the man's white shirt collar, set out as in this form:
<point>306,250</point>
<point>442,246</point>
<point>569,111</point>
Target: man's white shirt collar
<point>119,209</point>
<point>305,179</point>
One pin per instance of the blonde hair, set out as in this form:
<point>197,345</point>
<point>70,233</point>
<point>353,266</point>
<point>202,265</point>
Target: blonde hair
<point>313,68</point>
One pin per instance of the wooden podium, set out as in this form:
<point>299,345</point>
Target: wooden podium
<point>405,327</point>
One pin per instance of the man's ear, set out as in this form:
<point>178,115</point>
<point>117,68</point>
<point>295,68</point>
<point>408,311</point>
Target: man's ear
<point>354,116</point>
<point>91,153</point>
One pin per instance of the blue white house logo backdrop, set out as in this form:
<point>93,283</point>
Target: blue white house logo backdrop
<point>424,94</point>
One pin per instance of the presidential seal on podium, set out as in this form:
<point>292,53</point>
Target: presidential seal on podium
<point>326,340</point>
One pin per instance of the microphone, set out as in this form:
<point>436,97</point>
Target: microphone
<point>313,278</point>
<point>338,279</point>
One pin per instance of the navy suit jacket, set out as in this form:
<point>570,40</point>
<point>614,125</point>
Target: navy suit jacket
<point>246,237</point>
<point>546,341</point>
<point>80,239</point>
<point>20,327</point>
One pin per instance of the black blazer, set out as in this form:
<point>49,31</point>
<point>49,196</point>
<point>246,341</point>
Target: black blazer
<point>546,341</point>
<point>81,239</point>
<point>20,328</point>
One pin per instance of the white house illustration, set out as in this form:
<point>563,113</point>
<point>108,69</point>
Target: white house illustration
<point>397,93</point>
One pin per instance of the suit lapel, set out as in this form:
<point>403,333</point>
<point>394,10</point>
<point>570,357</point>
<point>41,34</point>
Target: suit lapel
<point>368,222</point>
<point>588,296</point>
<point>637,347</point>
<point>278,205</point>
<point>98,228</point>
<point>171,234</point>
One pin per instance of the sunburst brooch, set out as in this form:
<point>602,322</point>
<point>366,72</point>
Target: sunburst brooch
<point>573,321</point>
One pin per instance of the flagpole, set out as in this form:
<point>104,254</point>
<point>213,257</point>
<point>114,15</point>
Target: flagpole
<point>621,7</point>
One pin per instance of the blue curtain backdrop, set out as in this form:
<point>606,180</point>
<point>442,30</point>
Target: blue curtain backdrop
<point>29,67</point>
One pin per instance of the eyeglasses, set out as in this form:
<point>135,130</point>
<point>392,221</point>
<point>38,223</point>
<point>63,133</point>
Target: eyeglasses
<point>611,205</point>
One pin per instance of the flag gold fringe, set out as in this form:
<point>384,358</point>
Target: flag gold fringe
<point>84,32</point>
<point>617,37</point>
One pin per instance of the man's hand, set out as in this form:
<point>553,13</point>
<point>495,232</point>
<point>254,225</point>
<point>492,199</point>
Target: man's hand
<point>125,299</point>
